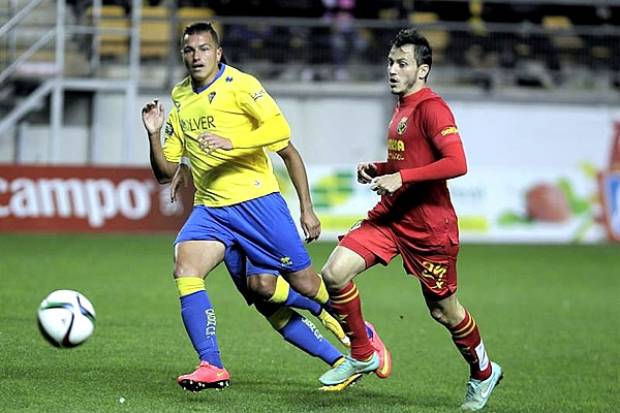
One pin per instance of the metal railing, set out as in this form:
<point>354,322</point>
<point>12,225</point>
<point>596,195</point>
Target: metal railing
<point>287,50</point>
<point>55,81</point>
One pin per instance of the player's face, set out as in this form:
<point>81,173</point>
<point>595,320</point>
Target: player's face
<point>404,74</point>
<point>201,56</point>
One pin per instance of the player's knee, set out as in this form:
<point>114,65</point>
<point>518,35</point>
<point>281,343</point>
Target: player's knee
<point>184,268</point>
<point>303,286</point>
<point>439,315</point>
<point>305,282</point>
<point>262,286</point>
<point>336,276</point>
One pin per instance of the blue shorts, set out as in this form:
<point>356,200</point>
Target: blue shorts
<point>261,229</point>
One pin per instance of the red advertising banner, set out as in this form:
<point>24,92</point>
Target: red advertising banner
<point>87,199</point>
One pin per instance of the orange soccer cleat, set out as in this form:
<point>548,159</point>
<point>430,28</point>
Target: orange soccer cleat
<point>385,357</point>
<point>206,376</point>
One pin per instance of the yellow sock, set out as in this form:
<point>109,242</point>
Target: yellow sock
<point>280,318</point>
<point>281,293</point>
<point>189,285</point>
<point>322,296</point>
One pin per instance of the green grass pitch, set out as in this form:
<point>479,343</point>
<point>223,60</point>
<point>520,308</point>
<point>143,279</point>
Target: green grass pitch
<point>550,315</point>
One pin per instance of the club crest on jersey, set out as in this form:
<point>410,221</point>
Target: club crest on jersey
<point>402,126</point>
<point>286,262</point>
<point>211,96</point>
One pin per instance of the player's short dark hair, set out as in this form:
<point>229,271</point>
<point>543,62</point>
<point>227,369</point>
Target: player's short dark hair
<point>422,50</point>
<point>201,27</point>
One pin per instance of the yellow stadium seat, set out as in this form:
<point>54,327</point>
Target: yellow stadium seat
<point>437,37</point>
<point>187,15</point>
<point>420,17</point>
<point>565,41</point>
<point>557,22</point>
<point>389,14</point>
<point>112,44</point>
<point>155,32</point>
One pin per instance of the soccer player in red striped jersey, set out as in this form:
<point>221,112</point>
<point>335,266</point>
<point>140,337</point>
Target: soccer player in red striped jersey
<point>414,218</point>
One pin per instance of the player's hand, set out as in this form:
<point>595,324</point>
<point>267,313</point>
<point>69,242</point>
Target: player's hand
<point>387,184</point>
<point>153,116</point>
<point>210,142</point>
<point>310,224</point>
<point>365,172</point>
<point>181,178</point>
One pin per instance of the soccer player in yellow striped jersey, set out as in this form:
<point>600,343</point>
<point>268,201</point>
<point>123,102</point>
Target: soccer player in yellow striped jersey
<point>223,120</point>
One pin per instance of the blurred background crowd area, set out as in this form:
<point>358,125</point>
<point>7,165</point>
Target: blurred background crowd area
<point>482,43</point>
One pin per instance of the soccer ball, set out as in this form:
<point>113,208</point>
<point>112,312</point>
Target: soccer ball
<point>66,318</point>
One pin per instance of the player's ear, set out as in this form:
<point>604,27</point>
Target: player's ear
<point>423,71</point>
<point>219,54</point>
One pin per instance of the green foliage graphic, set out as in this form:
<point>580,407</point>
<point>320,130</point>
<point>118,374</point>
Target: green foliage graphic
<point>333,190</point>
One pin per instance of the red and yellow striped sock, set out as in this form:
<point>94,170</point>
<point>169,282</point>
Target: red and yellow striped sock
<point>347,307</point>
<point>466,337</point>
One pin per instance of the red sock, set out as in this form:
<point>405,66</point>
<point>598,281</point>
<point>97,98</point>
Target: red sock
<point>347,306</point>
<point>466,336</point>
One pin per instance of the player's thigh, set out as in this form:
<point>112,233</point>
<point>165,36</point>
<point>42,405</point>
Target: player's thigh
<point>201,242</point>
<point>304,281</point>
<point>341,267</point>
<point>236,262</point>
<point>435,270</point>
<point>197,258</point>
<point>362,247</point>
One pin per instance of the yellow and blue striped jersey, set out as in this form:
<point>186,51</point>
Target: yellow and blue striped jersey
<point>234,106</point>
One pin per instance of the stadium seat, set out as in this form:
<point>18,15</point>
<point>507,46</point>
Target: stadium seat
<point>114,45</point>
<point>475,20</point>
<point>187,15</point>
<point>437,37</point>
<point>566,40</point>
<point>155,32</point>
<point>390,14</point>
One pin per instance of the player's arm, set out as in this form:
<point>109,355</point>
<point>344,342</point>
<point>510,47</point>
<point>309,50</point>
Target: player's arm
<point>153,119</point>
<point>182,178</point>
<point>256,103</point>
<point>444,136</point>
<point>273,130</point>
<point>297,172</point>
<point>439,125</point>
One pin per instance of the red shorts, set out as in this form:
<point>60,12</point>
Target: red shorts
<point>435,267</point>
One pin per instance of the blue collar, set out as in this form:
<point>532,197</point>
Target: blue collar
<point>217,76</point>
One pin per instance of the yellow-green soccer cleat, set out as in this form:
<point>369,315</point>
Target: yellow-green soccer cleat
<point>349,368</point>
<point>479,391</point>
<point>344,385</point>
<point>341,386</point>
<point>330,323</point>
